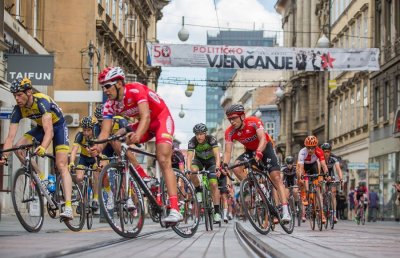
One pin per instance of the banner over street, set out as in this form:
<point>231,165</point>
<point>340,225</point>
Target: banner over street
<point>268,58</point>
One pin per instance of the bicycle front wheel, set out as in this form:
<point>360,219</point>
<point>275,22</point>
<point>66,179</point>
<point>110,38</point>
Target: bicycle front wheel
<point>77,205</point>
<point>123,209</point>
<point>254,207</point>
<point>27,201</point>
<point>189,207</point>
<point>311,210</point>
<point>288,227</point>
<point>318,211</point>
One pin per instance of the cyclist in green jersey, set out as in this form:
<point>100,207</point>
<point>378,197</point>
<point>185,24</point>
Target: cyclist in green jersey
<point>203,153</point>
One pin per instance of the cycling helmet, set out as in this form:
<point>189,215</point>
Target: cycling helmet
<point>19,85</point>
<point>326,146</point>
<point>98,113</point>
<point>88,122</point>
<point>111,74</point>
<point>235,109</point>
<point>289,160</point>
<point>200,128</point>
<point>311,141</point>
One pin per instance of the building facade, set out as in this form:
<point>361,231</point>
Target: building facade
<point>218,79</point>
<point>384,148</point>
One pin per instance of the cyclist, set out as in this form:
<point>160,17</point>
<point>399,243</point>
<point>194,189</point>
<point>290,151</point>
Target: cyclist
<point>85,160</point>
<point>332,163</point>
<point>50,127</point>
<point>308,165</point>
<point>258,144</point>
<point>289,176</point>
<point>154,119</point>
<point>360,197</point>
<point>203,153</point>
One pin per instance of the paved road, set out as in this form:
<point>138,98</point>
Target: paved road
<point>381,239</point>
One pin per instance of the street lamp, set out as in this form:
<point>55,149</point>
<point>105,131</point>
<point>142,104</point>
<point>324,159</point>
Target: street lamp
<point>279,92</point>
<point>258,113</point>
<point>323,42</point>
<point>183,34</point>
<point>181,113</point>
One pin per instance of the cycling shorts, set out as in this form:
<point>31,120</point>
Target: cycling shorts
<point>289,181</point>
<point>86,161</point>
<point>162,128</point>
<point>206,164</point>
<point>222,184</point>
<point>60,138</point>
<point>269,161</point>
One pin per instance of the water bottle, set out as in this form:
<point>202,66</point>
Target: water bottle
<point>52,183</point>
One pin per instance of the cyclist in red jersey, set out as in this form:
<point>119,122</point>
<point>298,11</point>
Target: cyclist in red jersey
<point>258,144</point>
<point>136,100</point>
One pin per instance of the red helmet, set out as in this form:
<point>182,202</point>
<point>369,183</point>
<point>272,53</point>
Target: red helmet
<point>110,74</point>
<point>311,141</point>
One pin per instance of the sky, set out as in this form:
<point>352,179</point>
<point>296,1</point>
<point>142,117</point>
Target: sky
<point>200,19</point>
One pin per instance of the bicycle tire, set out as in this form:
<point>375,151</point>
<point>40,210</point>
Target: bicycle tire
<point>327,209</point>
<point>205,208</point>
<point>23,183</point>
<point>363,216</point>
<point>319,211</point>
<point>118,217</point>
<point>289,227</point>
<point>210,209</point>
<point>76,224</point>
<point>189,228</point>
<point>254,207</point>
<point>311,210</point>
<point>299,207</point>
<point>332,217</point>
<point>89,210</point>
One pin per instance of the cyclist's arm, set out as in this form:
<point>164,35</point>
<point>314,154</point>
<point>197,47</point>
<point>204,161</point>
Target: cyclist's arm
<point>262,140</point>
<point>190,155</point>
<point>339,171</point>
<point>47,123</point>
<point>300,170</point>
<point>217,157</point>
<point>12,131</point>
<point>106,127</point>
<point>324,167</point>
<point>144,122</point>
<point>228,152</point>
<point>74,151</point>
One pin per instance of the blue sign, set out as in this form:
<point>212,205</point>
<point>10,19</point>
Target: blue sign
<point>5,112</point>
<point>373,166</point>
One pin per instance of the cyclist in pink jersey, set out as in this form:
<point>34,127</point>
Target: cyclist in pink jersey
<point>136,100</point>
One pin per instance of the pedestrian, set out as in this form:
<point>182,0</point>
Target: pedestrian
<point>351,202</point>
<point>373,205</point>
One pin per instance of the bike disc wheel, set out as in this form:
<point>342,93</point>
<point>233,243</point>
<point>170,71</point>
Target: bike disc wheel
<point>27,201</point>
<point>254,207</point>
<point>77,200</point>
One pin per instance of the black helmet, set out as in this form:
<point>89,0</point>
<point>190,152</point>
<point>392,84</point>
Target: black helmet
<point>289,160</point>
<point>326,146</point>
<point>19,85</point>
<point>98,113</point>
<point>200,128</point>
<point>235,109</point>
<point>88,122</point>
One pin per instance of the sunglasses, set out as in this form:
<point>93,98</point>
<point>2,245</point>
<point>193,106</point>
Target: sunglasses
<point>108,85</point>
<point>233,118</point>
<point>310,148</point>
<point>327,151</point>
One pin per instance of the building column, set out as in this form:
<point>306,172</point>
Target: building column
<point>306,23</point>
<point>299,24</point>
<point>289,127</point>
<point>314,26</point>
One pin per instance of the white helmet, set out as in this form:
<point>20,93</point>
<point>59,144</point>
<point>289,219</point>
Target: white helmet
<point>111,74</point>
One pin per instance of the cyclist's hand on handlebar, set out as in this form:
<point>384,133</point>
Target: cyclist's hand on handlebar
<point>40,151</point>
<point>94,151</point>
<point>132,137</point>
<point>71,165</point>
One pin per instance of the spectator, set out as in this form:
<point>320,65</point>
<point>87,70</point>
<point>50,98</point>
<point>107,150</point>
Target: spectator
<point>397,187</point>
<point>351,202</point>
<point>373,205</point>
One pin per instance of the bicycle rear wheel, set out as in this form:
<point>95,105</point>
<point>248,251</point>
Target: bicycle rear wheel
<point>27,201</point>
<point>299,211</point>
<point>254,207</point>
<point>327,210</point>
<point>331,213</point>
<point>318,212</point>
<point>126,221</point>
<point>186,195</point>
<point>77,200</point>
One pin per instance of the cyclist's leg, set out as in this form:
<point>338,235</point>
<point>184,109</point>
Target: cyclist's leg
<point>194,178</point>
<point>222,186</point>
<point>215,193</point>
<point>239,171</point>
<point>38,134</point>
<point>334,193</point>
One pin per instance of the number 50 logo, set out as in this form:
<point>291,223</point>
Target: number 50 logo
<point>164,51</point>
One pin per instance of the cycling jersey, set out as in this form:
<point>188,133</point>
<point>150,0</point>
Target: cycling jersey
<point>177,159</point>
<point>289,176</point>
<point>306,158</point>
<point>289,172</point>
<point>203,150</point>
<point>330,163</point>
<point>161,122</point>
<point>247,135</point>
<point>118,123</point>
<point>82,142</point>
<point>42,104</point>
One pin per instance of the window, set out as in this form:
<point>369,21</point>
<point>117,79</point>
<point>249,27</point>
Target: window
<point>378,15</point>
<point>352,35</point>
<point>365,28</point>
<point>388,23</point>
<point>107,4</point>
<point>121,16</point>
<point>340,116</point>
<point>386,101</point>
<point>114,10</point>
<point>346,117</point>
<point>376,105</point>
<point>358,32</point>
<point>353,111</point>
<point>35,18</point>
<point>365,103</point>
<point>270,128</point>
<point>358,105</point>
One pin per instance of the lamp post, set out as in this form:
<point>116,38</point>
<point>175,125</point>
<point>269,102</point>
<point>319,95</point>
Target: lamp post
<point>181,113</point>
